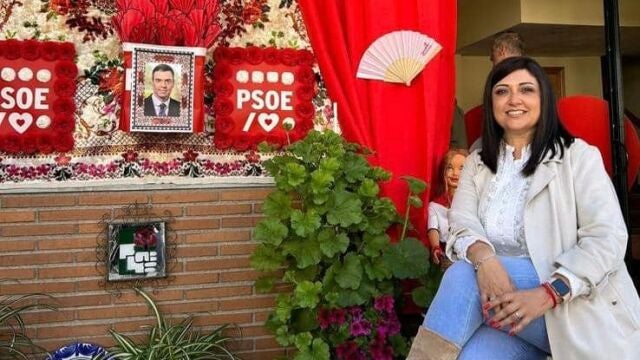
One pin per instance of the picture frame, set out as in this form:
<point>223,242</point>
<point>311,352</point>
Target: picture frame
<point>136,250</point>
<point>164,89</point>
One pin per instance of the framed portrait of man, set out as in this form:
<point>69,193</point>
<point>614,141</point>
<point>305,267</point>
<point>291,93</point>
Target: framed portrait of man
<point>163,89</point>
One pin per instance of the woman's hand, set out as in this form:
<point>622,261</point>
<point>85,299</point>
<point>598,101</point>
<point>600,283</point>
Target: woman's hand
<point>493,281</point>
<point>437,255</point>
<point>519,308</point>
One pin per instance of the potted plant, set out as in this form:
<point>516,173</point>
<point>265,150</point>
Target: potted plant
<point>14,343</point>
<point>325,235</point>
<point>167,341</point>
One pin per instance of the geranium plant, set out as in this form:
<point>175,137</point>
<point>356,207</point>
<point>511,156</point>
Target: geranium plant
<point>325,235</point>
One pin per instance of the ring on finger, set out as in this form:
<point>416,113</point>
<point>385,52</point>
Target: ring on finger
<point>517,316</point>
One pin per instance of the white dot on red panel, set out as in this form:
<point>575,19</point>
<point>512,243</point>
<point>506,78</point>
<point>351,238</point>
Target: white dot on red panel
<point>257,77</point>
<point>8,74</point>
<point>43,121</point>
<point>25,74</point>
<point>43,75</point>
<point>272,77</point>
<point>287,78</point>
<point>242,76</point>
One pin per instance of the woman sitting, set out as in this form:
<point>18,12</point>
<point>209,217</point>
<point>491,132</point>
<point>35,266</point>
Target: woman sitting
<point>438,224</point>
<point>541,238</point>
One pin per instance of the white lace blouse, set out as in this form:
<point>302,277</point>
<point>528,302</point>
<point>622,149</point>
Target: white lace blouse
<point>501,211</point>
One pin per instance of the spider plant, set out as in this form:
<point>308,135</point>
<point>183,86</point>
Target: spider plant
<point>14,343</point>
<point>172,342</point>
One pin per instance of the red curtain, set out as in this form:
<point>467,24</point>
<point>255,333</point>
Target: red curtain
<point>408,127</point>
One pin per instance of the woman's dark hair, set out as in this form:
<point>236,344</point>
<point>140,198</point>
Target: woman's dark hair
<point>550,135</point>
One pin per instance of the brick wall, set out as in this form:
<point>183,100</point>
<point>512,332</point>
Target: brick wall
<point>48,244</point>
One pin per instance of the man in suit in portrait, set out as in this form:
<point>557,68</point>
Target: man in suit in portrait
<point>160,102</point>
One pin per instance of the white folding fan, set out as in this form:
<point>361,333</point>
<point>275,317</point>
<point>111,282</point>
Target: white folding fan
<point>398,56</point>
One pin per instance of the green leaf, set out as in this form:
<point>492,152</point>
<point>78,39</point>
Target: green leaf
<point>415,201</point>
<point>297,275</point>
<point>368,188</point>
<point>416,186</point>
<point>330,164</point>
<point>305,223</point>
<point>319,350</point>
<point>422,296</point>
<point>350,274</point>
<point>266,258</point>
<point>407,259</point>
<point>373,244</point>
<point>377,270</point>
<point>380,174</point>
<point>332,243</point>
<point>304,320</point>
<point>264,284</point>
<point>303,340</point>
<point>305,251</point>
<point>270,231</point>
<point>277,205</point>
<point>346,209</point>
<point>295,174</point>
<point>282,336</point>
<point>355,168</point>
<point>321,181</point>
<point>306,294</point>
<point>283,307</point>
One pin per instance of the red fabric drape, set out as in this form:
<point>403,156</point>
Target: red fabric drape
<point>587,117</point>
<point>407,127</point>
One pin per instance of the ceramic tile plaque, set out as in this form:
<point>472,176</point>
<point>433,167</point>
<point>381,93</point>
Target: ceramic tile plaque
<point>136,251</point>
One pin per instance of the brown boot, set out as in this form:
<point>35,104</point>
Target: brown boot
<point>428,345</point>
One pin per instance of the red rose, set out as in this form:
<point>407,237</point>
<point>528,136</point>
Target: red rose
<point>289,57</point>
<point>223,88</point>
<point>64,105</point>
<point>63,143</point>
<point>251,14</point>
<point>67,51</point>
<point>45,144</point>
<point>12,144</point>
<point>28,145</point>
<point>305,92</point>
<point>305,75</point>
<point>66,69</point>
<point>271,56</point>
<point>254,55</point>
<point>242,144</point>
<point>276,140</point>
<point>64,87</point>
<point>305,111</point>
<point>305,57</point>
<point>64,122</point>
<point>223,106</point>
<point>220,54</point>
<point>12,49</point>
<point>222,71</point>
<point>224,125</point>
<point>50,50</point>
<point>222,142</point>
<point>236,55</point>
<point>30,49</point>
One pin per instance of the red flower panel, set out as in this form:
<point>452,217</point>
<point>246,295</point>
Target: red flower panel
<point>38,83</point>
<point>258,91</point>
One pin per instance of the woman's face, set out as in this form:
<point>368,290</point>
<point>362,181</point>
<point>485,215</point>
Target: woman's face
<point>516,104</point>
<point>453,170</point>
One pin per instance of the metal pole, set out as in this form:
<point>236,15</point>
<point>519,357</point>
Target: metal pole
<point>616,107</point>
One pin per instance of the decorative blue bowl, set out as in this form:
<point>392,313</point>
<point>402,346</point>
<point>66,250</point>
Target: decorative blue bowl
<point>78,351</point>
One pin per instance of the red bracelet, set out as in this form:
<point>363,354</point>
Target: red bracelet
<point>547,287</point>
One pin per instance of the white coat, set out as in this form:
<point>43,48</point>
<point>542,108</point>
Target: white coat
<point>572,219</point>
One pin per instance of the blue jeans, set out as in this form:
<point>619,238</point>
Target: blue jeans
<point>456,315</point>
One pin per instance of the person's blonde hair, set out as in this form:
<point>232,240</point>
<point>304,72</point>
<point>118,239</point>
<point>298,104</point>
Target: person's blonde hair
<point>446,160</point>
